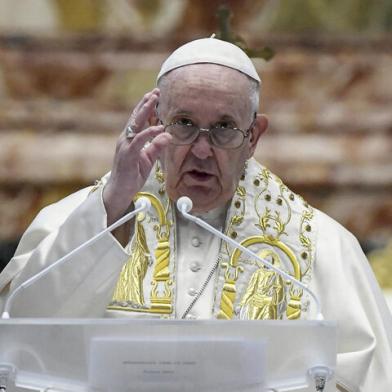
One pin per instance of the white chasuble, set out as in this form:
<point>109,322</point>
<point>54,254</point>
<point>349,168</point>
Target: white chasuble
<point>168,261</point>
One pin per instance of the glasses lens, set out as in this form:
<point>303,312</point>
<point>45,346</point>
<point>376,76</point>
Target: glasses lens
<point>182,134</point>
<point>226,137</point>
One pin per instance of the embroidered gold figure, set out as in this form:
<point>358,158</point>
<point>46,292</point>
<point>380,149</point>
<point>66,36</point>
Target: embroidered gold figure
<point>229,292</point>
<point>129,288</point>
<point>265,293</point>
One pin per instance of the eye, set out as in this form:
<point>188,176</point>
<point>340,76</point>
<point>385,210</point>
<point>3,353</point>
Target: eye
<point>224,124</point>
<point>183,121</point>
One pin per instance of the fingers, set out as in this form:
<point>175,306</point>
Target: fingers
<point>149,134</point>
<point>155,91</point>
<point>143,111</point>
<point>137,150</point>
<point>153,150</point>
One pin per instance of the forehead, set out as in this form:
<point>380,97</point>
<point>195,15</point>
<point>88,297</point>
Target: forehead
<point>206,86</point>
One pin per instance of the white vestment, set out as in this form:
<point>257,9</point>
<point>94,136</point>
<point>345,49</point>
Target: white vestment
<point>334,267</point>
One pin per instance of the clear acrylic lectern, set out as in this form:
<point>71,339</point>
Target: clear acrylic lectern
<point>123,355</point>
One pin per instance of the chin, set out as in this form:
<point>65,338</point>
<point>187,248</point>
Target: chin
<point>202,199</point>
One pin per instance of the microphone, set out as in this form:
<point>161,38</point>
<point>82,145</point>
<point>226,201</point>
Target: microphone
<point>141,204</point>
<point>184,205</point>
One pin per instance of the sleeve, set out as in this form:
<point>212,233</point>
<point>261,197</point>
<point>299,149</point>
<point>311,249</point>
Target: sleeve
<point>349,294</point>
<point>83,285</point>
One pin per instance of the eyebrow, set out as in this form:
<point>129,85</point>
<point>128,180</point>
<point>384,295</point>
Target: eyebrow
<point>182,112</point>
<point>225,117</point>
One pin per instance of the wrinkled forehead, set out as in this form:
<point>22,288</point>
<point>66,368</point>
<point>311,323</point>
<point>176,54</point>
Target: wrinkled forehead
<point>198,88</point>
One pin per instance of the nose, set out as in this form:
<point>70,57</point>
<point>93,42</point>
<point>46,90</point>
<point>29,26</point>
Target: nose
<point>201,147</point>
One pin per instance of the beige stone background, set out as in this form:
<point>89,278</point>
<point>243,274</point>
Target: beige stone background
<point>71,71</point>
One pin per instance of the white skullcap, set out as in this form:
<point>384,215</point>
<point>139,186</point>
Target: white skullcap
<point>210,50</point>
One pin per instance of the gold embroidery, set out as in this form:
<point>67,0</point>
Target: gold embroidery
<point>133,275</point>
<point>161,295</point>
<point>249,289</point>
<point>269,240</point>
<point>307,216</point>
<point>160,177</point>
<point>269,219</point>
<point>237,218</point>
<point>294,305</point>
<point>265,292</point>
<point>229,292</point>
<point>129,288</point>
<point>231,274</point>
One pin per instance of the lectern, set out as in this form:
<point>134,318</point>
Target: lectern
<point>123,355</point>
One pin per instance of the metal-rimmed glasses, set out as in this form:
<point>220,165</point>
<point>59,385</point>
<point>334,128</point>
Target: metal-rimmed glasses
<point>184,132</point>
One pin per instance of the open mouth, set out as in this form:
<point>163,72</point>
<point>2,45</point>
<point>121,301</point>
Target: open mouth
<point>199,175</point>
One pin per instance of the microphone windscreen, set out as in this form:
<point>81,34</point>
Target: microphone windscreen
<point>184,204</point>
<point>143,202</point>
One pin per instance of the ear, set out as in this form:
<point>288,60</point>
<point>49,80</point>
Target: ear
<point>260,126</point>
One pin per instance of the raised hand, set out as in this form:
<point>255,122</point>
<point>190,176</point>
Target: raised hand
<point>134,159</point>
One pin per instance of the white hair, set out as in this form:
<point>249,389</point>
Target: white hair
<point>254,95</point>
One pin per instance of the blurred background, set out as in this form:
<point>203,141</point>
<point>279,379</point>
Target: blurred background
<point>71,71</point>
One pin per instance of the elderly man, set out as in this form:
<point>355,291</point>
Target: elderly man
<point>195,136</point>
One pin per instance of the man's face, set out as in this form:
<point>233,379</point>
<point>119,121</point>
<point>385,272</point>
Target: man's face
<point>207,95</point>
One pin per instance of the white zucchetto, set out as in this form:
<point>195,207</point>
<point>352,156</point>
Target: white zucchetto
<point>210,50</point>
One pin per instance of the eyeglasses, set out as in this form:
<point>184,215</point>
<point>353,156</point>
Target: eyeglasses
<point>221,135</point>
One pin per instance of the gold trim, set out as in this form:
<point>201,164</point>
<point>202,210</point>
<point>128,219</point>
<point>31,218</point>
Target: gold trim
<point>129,287</point>
<point>257,239</point>
<point>161,292</point>
<point>229,292</point>
<point>265,292</point>
<point>293,309</point>
<point>342,388</point>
